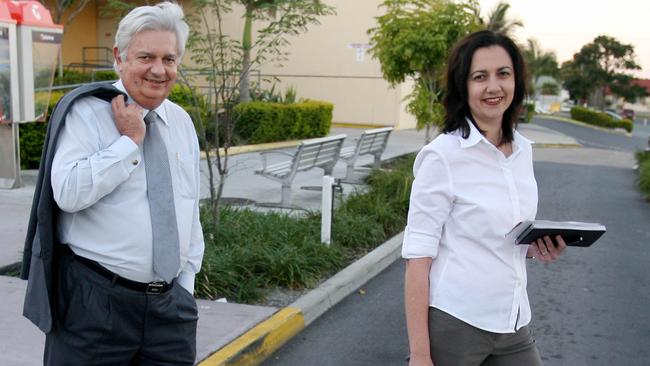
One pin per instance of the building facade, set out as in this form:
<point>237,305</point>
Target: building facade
<point>330,62</point>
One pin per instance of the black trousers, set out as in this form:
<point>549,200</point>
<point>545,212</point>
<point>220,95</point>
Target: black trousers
<point>101,323</point>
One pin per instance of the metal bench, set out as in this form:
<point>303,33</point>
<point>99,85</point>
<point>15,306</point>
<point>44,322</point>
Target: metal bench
<point>315,153</point>
<point>371,142</point>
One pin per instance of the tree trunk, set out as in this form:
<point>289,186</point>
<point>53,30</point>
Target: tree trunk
<point>60,61</point>
<point>247,41</point>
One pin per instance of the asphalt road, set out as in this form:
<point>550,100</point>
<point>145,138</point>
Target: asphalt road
<point>599,139</point>
<point>592,307</point>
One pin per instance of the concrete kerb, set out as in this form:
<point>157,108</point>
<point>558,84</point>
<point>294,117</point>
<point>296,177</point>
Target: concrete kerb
<point>254,346</point>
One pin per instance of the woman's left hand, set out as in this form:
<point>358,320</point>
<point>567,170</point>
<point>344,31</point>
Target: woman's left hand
<point>545,251</point>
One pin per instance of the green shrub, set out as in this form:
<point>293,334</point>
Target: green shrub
<point>32,134</point>
<point>526,112</point>
<point>32,137</point>
<point>600,119</point>
<point>105,75</point>
<point>251,252</point>
<point>71,77</point>
<point>259,122</point>
<point>643,159</point>
<point>626,124</point>
<point>197,107</point>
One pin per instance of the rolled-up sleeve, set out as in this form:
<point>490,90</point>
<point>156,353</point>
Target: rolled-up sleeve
<point>430,204</point>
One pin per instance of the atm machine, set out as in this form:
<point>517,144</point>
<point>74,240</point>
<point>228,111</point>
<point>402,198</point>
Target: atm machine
<point>33,43</point>
<point>9,103</point>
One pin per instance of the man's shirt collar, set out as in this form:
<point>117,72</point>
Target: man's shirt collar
<point>160,110</point>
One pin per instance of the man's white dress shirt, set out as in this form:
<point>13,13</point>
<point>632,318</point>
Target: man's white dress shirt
<point>466,196</point>
<point>99,182</point>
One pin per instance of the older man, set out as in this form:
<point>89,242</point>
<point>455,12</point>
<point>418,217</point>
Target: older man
<point>125,178</point>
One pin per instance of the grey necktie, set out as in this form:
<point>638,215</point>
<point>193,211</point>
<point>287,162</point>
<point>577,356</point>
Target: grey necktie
<point>166,254</point>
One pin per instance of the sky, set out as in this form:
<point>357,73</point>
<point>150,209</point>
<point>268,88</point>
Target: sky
<point>564,26</point>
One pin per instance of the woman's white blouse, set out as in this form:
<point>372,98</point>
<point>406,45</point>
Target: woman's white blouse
<point>466,196</point>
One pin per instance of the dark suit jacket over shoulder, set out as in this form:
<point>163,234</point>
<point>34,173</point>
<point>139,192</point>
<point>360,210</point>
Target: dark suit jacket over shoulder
<point>40,254</point>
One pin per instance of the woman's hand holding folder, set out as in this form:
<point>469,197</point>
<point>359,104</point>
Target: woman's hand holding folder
<point>546,249</point>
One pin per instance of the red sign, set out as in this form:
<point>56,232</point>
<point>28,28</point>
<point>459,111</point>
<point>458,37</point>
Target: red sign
<point>5,15</point>
<point>31,13</point>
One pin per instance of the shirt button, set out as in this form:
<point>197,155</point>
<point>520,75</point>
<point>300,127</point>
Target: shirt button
<point>134,162</point>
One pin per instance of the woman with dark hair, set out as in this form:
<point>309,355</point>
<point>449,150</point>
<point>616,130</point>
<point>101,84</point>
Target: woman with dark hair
<point>465,283</point>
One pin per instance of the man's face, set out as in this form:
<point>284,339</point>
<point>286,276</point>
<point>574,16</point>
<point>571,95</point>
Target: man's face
<point>149,70</point>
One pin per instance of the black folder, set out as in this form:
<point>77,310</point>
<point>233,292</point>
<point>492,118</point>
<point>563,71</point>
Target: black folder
<point>579,234</point>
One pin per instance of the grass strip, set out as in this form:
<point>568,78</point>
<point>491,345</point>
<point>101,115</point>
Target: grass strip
<point>252,252</point>
<point>643,160</point>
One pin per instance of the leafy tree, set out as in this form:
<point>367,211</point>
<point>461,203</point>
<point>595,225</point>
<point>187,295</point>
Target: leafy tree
<point>623,86</point>
<point>600,64</point>
<point>283,18</point>
<point>412,40</point>
<point>498,21</point>
<point>539,63</point>
<point>575,80</point>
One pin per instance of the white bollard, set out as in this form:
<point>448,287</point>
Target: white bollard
<point>327,209</point>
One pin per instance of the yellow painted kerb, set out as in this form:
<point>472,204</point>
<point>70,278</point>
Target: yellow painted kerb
<point>254,346</point>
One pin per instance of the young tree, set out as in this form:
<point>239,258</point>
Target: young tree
<point>412,40</point>
<point>223,63</point>
<point>71,8</point>
<point>283,17</point>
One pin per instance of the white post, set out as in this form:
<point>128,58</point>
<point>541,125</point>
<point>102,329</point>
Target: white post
<point>326,210</point>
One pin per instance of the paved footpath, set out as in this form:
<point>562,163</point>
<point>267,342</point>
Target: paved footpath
<point>228,334</point>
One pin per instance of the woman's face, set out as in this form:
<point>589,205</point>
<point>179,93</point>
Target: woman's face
<point>490,85</point>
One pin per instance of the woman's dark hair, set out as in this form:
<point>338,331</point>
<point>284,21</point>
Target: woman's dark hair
<point>455,100</point>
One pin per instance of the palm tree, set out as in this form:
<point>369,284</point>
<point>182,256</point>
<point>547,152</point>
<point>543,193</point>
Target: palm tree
<point>539,63</point>
<point>303,13</point>
<point>497,21</point>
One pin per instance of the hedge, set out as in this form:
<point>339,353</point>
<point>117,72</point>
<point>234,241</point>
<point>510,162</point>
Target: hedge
<point>259,122</point>
<point>643,161</point>
<point>527,112</point>
<point>78,77</point>
<point>32,134</point>
<point>599,119</point>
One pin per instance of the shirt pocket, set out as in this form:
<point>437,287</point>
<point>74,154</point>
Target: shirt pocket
<point>186,175</point>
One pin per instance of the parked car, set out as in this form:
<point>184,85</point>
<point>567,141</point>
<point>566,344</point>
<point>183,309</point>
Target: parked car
<point>628,113</point>
<point>615,116</point>
<point>566,106</point>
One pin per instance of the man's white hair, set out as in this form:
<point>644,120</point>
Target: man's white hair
<point>165,16</point>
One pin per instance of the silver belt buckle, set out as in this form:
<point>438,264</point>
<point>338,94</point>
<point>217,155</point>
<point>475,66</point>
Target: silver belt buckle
<point>155,288</point>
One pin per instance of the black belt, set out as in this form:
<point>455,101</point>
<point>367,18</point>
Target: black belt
<point>151,288</point>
